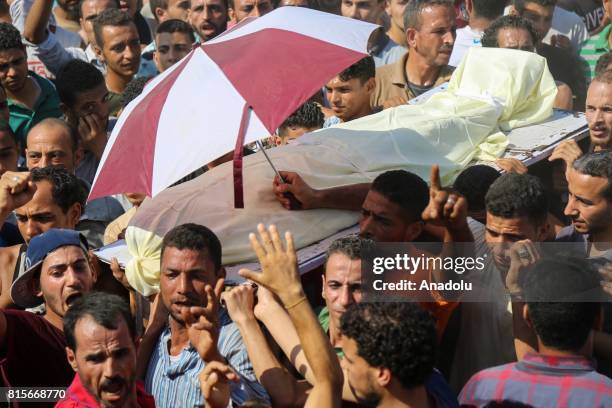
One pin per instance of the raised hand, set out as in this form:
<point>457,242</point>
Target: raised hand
<point>215,381</point>
<point>240,302</point>
<point>279,265</point>
<point>522,254</point>
<point>511,165</point>
<point>16,189</point>
<point>203,324</point>
<point>445,208</point>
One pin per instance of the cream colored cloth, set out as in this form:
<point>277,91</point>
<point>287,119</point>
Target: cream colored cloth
<point>491,89</point>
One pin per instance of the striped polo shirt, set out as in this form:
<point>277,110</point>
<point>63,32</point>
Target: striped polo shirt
<point>174,381</point>
<point>592,49</point>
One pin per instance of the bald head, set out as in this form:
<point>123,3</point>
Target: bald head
<point>52,142</point>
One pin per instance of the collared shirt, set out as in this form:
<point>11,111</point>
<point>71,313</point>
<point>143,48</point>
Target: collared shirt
<point>384,50</point>
<point>391,81</point>
<point>174,382</point>
<point>541,381</point>
<point>77,396</point>
<point>592,49</point>
<point>22,119</point>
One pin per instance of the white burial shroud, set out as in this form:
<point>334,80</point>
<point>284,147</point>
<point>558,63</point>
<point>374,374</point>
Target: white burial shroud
<point>492,89</point>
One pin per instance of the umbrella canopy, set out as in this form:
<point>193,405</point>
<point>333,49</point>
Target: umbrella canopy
<point>233,90</point>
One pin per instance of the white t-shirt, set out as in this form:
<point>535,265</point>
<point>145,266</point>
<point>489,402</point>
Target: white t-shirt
<point>466,38</point>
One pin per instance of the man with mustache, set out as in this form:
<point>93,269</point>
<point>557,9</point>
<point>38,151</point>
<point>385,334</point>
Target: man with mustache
<point>599,118</point>
<point>33,346</point>
<point>67,14</point>
<point>100,335</point>
<point>430,35</point>
<point>208,18</point>
<point>191,282</point>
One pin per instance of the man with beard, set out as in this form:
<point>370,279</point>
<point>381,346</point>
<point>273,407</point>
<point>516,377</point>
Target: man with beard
<point>191,282</point>
<point>208,18</point>
<point>430,35</point>
<point>33,346</point>
<point>389,352</point>
<point>599,118</point>
<point>241,9</point>
<point>67,14</point>
<point>118,47</point>
<point>31,98</point>
<point>100,334</point>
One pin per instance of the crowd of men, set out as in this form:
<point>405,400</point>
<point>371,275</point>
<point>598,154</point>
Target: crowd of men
<point>69,67</point>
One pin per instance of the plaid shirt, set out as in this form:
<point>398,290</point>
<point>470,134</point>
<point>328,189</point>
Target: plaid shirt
<point>541,381</point>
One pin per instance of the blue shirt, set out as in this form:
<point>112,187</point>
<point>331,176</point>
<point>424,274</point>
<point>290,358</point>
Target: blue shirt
<point>175,383</point>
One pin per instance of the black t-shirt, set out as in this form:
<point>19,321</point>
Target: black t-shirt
<point>591,11</point>
<point>566,68</point>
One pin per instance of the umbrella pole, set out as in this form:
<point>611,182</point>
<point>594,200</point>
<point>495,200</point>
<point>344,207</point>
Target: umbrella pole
<point>238,156</point>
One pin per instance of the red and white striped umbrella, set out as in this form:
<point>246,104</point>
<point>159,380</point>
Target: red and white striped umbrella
<point>233,90</point>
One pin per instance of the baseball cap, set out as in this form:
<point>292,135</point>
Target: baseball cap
<point>40,246</point>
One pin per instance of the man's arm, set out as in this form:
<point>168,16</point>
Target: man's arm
<point>295,193</point>
<point>280,275</point>
<point>37,20</point>
<point>279,384</point>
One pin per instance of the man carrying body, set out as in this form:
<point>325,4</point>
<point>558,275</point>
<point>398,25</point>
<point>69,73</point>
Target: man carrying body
<point>430,34</point>
<point>240,9</point>
<point>599,120</point>
<point>33,346</point>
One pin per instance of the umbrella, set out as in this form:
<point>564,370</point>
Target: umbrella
<point>231,91</point>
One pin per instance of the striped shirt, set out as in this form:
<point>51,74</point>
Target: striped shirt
<point>592,49</point>
<point>540,381</point>
<point>175,383</point>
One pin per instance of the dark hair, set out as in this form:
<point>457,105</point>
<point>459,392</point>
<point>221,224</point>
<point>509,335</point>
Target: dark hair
<point>348,246</point>
<point>67,189</point>
<point>10,37</point>
<point>109,17</point>
<point>414,9</point>
<point>75,77</point>
<point>5,127</point>
<point>72,132</point>
<point>195,237</point>
<point>519,5</point>
<point>104,308</point>
<point>506,404</point>
<point>309,116</point>
<point>489,9</point>
<point>517,195</point>
<point>490,37</point>
<point>118,5</point>
<point>133,89</point>
<point>474,182</point>
<point>399,336</point>
<point>363,70</point>
<point>603,62</point>
<point>176,26</point>
<point>548,288</point>
<point>155,4</point>
<point>604,77</point>
<point>405,189</point>
<point>597,164</point>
